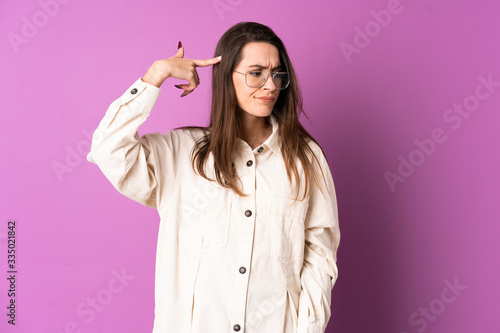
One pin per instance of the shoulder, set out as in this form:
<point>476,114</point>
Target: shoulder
<point>319,159</point>
<point>316,149</point>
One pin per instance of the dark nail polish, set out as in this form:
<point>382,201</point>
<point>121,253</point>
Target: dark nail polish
<point>180,45</point>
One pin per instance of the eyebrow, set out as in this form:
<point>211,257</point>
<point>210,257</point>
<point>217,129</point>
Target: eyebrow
<point>263,67</point>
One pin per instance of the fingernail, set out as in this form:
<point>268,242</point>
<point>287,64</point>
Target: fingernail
<point>219,57</point>
<point>180,45</point>
<point>177,86</point>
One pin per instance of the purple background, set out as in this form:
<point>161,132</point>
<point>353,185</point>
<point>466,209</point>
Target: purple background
<point>400,247</point>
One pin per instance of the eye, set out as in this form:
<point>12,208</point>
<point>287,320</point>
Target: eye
<point>255,73</point>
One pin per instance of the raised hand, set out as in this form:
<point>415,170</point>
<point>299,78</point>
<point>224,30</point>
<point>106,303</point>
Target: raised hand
<point>180,68</point>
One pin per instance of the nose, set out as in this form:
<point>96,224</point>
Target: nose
<point>269,84</point>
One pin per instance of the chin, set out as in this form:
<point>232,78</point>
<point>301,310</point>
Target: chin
<point>260,112</point>
<point>264,113</point>
<point>264,110</point>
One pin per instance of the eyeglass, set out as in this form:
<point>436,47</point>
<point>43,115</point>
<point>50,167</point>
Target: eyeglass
<point>256,79</point>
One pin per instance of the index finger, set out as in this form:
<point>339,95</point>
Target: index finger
<point>206,62</point>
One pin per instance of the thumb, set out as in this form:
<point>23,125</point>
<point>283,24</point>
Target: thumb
<point>180,51</point>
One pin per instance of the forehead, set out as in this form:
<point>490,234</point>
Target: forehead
<point>260,53</point>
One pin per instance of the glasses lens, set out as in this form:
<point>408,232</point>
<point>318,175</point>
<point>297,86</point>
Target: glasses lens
<point>281,80</point>
<point>256,79</point>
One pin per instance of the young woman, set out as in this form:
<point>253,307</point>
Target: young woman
<point>249,228</point>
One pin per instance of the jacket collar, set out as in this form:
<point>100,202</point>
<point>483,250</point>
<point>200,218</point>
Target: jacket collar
<point>272,142</point>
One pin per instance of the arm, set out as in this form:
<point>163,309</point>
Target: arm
<point>127,160</point>
<point>319,272</point>
<point>123,157</point>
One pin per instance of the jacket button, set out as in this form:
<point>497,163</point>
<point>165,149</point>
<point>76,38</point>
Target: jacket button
<point>248,213</point>
<point>243,270</point>
<point>260,149</point>
<point>236,327</point>
<point>133,91</point>
<point>249,163</point>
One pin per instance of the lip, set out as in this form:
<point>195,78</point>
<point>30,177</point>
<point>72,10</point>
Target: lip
<point>267,99</point>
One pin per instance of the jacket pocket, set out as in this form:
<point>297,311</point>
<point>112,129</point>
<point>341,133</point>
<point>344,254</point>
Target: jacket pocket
<point>205,229</point>
<point>286,228</point>
<point>215,228</point>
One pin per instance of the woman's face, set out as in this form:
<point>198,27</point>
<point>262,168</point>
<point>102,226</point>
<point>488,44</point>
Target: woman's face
<point>257,56</point>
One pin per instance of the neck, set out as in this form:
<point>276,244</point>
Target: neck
<point>254,130</point>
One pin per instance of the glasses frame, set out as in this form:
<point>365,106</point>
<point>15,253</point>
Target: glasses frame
<point>267,77</point>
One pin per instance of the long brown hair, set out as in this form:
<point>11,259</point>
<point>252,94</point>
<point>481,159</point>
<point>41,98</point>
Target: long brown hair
<point>223,130</point>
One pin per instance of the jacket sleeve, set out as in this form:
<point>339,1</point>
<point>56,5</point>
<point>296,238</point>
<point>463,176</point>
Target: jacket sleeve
<point>127,160</point>
<point>319,272</point>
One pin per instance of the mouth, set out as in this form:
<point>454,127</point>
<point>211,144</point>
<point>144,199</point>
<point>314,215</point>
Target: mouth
<point>266,99</point>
